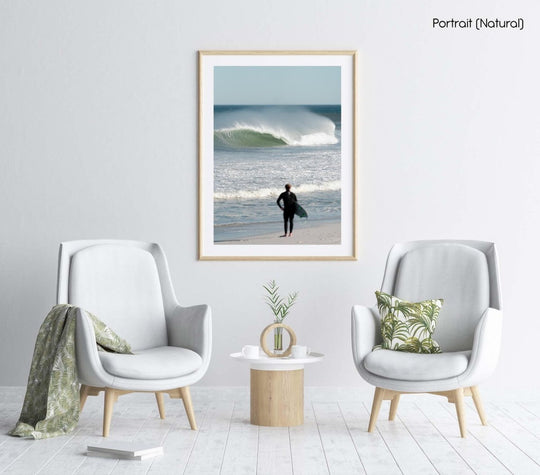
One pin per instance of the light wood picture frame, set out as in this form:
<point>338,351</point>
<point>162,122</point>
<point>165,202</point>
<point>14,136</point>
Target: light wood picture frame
<point>269,119</point>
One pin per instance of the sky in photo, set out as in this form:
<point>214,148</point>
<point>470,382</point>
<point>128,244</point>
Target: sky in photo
<point>277,85</point>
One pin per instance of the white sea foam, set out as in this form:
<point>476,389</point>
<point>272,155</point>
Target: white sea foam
<point>273,126</point>
<point>275,192</point>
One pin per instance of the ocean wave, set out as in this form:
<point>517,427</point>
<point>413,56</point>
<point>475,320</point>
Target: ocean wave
<point>272,126</point>
<point>275,192</point>
<point>246,138</point>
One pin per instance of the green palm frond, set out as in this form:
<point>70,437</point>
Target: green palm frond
<point>279,306</point>
<point>412,344</point>
<point>285,307</point>
<point>406,308</point>
<point>383,300</point>
<point>431,308</point>
<point>401,331</point>
<point>420,324</point>
<point>273,300</point>
<point>388,324</point>
<point>430,346</point>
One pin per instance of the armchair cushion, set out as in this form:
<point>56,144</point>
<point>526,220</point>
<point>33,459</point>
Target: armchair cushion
<point>416,367</point>
<point>155,363</point>
<point>407,326</point>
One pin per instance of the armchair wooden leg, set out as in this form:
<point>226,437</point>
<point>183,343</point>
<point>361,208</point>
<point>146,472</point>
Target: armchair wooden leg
<point>83,395</point>
<point>460,410</point>
<point>186,399</point>
<point>478,404</point>
<point>111,396</point>
<point>393,407</point>
<point>161,405</point>
<point>375,408</point>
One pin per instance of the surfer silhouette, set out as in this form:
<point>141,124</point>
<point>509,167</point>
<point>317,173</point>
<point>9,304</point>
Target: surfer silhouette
<point>288,208</point>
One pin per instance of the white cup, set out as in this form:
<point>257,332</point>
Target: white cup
<point>299,351</point>
<point>250,352</point>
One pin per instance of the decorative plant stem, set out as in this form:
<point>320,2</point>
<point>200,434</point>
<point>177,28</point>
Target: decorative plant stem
<point>278,339</point>
<point>280,308</point>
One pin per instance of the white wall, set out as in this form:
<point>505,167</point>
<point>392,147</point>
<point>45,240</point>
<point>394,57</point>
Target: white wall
<point>98,138</point>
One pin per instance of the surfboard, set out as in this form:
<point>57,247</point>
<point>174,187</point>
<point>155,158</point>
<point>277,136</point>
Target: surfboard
<point>300,211</point>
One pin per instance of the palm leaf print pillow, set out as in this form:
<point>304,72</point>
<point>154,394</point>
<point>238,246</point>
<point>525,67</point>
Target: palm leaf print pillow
<point>407,326</point>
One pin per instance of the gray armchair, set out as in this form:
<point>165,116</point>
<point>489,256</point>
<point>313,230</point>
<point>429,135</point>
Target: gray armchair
<point>127,285</point>
<point>464,274</point>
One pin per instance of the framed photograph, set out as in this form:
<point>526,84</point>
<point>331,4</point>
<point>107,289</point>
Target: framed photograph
<point>277,155</point>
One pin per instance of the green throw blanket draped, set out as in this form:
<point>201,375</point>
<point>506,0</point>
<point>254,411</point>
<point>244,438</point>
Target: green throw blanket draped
<point>51,404</point>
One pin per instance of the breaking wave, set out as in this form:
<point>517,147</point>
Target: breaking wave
<point>272,127</point>
<point>275,192</point>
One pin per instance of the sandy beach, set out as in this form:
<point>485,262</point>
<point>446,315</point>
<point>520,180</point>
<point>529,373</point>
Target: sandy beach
<point>323,233</point>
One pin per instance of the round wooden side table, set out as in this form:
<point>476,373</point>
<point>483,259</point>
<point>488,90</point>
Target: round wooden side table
<point>277,389</point>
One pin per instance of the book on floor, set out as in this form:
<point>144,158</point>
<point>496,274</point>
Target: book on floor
<point>126,450</point>
<point>91,453</point>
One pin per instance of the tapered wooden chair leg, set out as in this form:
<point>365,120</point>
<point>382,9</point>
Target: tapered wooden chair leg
<point>188,406</point>
<point>393,407</point>
<point>460,410</point>
<point>375,408</point>
<point>160,405</point>
<point>83,395</point>
<point>478,404</point>
<point>110,399</point>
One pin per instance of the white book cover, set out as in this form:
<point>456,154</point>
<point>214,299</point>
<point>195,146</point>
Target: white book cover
<point>126,449</point>
<point>111,455</point>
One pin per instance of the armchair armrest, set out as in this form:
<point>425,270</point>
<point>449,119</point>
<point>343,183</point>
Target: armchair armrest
<point>191,327</point>
<point>486,347</point>
<point>365,331</point>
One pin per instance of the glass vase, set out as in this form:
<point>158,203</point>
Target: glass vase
<point>278,340</point>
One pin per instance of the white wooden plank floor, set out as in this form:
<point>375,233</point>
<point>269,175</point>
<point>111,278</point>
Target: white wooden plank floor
<point>424,438</point>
